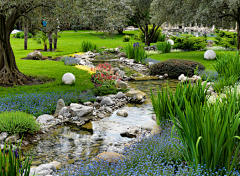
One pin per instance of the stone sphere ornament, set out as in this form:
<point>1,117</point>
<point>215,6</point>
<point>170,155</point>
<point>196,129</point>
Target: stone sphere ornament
<point>170,41</point>
<point>68,78</point>
<point>209,55</point>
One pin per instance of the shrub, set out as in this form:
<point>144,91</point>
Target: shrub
<point>21,35</point>
<point>18,122</point>
<point>189,43</point>
<point>175,67</point>
<point>88,46</point>
<point>43,103</point>
<point>105,75</point>
<point>164,47</point>
<point>162,38</point>
<point>208,134</point>
<point>106,90</point>
<point>141,35</point>
<point>136,51</point>
<point>226,39</point>
<point>126,38</point>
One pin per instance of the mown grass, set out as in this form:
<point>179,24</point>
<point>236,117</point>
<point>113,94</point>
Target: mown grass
<point>68,43</point>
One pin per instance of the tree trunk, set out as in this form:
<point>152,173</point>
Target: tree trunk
<point>120,31</point>
<point>50,40</point>
<point>238,35</point>
<point>55,40</point>
<point>25,35</point>
<point>9,73</point>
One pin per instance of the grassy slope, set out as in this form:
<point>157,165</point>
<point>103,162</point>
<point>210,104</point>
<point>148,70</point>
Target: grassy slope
<point>68,43</point>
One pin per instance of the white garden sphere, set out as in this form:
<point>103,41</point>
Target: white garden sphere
<point>170,41</point>
<point>68,78</point>
<point>209,55</point>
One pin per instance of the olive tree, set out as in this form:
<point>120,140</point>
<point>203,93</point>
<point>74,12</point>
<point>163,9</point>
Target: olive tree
<point>155,12</point>
<point>10,12</point>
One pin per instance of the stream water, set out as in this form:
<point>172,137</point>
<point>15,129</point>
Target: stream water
<point>69,144</point>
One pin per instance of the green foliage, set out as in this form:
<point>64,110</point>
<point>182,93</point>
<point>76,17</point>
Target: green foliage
<point>162,38</point>
<point>10,162</point>
<point>208,133</point>
<point>42,36</point>
<point>106,90</point>
<point>136,51</point>
<point>88,46</point>
<point>21,35</point>
<point>228,69</point>
<point>126,38</point>
<point>226,39</point>
<point>18,122</point>
<point>175,67</point>
<point>189,43</point>
<point>163,103</point>
<point>141,35</point>
<point>223,81</point>
<point>164,47</point>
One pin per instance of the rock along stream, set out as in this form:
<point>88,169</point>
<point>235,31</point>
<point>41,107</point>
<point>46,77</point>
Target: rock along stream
<point>69,144</point>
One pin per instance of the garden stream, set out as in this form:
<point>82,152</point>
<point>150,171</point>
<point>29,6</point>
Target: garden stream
<point>70,144</point>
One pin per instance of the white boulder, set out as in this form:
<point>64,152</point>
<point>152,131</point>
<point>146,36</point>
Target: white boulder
<point>170,41</point>
<point>181,77</point>
<point>209,55</point>
<point>149,125</point>
<point>43,119</point>
<point>68,78</point>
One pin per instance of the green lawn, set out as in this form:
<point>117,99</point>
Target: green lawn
<point>68,43</point>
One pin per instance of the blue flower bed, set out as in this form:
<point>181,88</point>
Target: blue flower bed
<point>153,156</point>
<point>42,103</point>
<point>209,75</point>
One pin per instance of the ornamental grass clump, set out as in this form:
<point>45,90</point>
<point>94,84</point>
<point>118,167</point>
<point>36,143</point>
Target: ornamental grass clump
<point>209,133</point>
<point>88,46</point>
<point>18,123</point>
<point>136,51</point>
<point>164,102</point>
<point>164,47</point>
<point>11,163</point>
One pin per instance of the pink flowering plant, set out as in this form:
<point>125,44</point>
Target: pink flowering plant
<point>105,75</point>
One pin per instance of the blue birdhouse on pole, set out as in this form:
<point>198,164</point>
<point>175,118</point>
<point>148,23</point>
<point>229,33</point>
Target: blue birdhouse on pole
<point>44,23</point>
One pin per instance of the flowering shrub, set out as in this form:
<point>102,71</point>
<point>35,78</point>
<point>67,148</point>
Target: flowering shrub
<point>71,61</point>
<point>90,70</point>
<point>105,75</point>
<point>42,103</point>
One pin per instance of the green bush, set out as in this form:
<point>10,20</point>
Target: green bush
<point>88,46</point>
<point>175,67</point>
<point>18,122</point>
<point>162,38</point>
<point>106,90</point>
<point>226,39</point>
<point>164,47</point>
<point>189,43</point>
<point>135,51</point>
<point>21,35</point>
<point>141,35</point>
<point>126,38</point>
<point>208,134</point>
